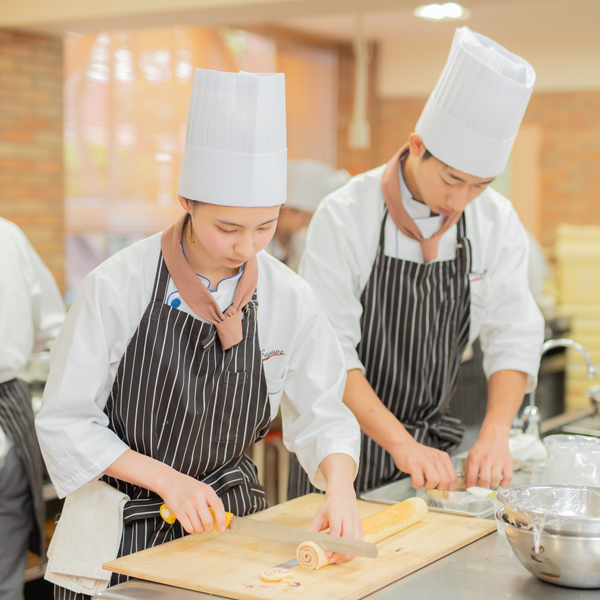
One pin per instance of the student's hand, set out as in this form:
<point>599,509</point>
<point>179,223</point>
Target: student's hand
<point>428,467</point>
<point>339,512</point>
<point>188,499</point>
<point>489,461</point>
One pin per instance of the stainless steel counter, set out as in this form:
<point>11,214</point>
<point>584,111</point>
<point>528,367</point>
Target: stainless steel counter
<point>485,569</point>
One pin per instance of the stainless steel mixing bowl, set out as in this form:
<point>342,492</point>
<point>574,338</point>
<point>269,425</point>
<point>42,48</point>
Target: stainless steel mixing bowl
<point>566,560</point>
<point>559,509</point>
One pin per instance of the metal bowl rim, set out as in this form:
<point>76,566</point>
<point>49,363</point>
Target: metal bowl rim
<point>576,519</point>
<point>544,534</point>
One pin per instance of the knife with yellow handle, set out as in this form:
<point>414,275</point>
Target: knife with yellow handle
<point>170,518</point>
<point>289,535</point>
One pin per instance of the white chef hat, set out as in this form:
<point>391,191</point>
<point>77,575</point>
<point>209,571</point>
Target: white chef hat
<point>472,117</point>
<point>309,181</point>
<point>235,148</point>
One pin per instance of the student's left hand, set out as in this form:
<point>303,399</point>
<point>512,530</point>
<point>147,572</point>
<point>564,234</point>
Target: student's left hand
<point>339,512</point>
<point>489,461</point>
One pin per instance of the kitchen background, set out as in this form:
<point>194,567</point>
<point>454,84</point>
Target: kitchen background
<point>93,109</point>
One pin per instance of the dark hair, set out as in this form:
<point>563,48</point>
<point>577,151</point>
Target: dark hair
<point>427,155</point>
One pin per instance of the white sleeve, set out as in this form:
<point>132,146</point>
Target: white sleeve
<point>512,332</point>
<point>332,266</point>
<point>47,305</point>
<point>316,422</point>
<point>76,442</point>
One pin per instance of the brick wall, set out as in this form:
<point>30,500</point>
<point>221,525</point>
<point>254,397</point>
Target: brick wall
<point>570,153</point>
<point>570,161</point>
<point>31,154</point>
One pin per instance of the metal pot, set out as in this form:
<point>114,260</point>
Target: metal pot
<point>566,560</point>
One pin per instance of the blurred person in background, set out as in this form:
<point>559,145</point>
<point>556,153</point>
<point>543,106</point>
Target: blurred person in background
<point>308,182</point>
<point>31,313</point>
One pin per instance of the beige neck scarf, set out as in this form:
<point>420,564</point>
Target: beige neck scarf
<point>198,298</point>
<point>390,185</point>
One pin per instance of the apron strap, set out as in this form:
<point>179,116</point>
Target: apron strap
<point>161,281</point>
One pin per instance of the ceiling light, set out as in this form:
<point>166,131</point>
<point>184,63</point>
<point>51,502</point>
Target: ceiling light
<point>450,11</point>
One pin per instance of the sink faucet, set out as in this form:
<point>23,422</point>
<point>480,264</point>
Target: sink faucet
<point>531,414</point>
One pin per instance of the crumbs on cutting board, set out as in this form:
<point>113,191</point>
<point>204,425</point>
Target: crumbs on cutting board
<point>276,574</point>
<point>277,579</point>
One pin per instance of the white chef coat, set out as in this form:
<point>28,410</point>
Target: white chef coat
<point>31,307</point>
<point>300,351</point>
<point>342,244</point>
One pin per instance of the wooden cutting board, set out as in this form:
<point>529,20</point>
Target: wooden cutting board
<point>230,565</point>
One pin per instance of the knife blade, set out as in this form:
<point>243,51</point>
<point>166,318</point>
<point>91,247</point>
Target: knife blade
<point>293,535</point>
<point>289,535</point>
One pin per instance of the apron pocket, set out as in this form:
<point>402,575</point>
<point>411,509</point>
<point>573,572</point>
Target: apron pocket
<point>230,396</point>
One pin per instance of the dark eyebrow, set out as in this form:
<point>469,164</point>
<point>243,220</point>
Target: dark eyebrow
<point>238,225</point>
<point>481,183</point>
<point>456,177</point>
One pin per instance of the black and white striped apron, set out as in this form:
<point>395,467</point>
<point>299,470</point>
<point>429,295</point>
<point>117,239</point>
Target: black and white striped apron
<point>415,328</point>
<point>179,398</point>
<point>16,420</point>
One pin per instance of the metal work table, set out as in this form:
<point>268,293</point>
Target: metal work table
<point>486,569</point>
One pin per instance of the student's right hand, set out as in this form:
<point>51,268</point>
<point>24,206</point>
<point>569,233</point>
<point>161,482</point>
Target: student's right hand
<point>188,499</point>
<point>427,466</point>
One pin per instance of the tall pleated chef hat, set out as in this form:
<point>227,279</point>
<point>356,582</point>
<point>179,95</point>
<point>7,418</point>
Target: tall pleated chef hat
<point>309,181</point>
<point>472,117</point>
<point>235,148</point>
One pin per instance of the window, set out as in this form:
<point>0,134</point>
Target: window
<point>126,103</point>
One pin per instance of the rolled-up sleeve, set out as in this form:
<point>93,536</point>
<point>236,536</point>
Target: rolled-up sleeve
<point>316,422</point>
<point>512,331</point>
<point>72,427</point>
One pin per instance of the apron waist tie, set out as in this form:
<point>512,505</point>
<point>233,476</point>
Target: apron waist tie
<point>143,508</point>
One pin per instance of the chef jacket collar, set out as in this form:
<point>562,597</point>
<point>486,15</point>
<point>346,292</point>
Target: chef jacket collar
<point>416,209</point>
<point>227,282</point>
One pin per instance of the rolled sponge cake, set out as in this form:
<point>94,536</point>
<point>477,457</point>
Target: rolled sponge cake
<point>394,519</point>
<point>377,527</point>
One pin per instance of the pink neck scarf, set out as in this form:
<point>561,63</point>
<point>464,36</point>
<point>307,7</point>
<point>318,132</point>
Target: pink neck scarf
<point>390,186</point>
<point>198,298</point>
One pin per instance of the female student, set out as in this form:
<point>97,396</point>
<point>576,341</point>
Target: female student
<point>174,356</point>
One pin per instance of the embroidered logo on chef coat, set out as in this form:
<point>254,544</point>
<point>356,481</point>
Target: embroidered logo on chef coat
<point>267,354</point>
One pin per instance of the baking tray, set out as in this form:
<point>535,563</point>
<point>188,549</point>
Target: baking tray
<point>398,491</point>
